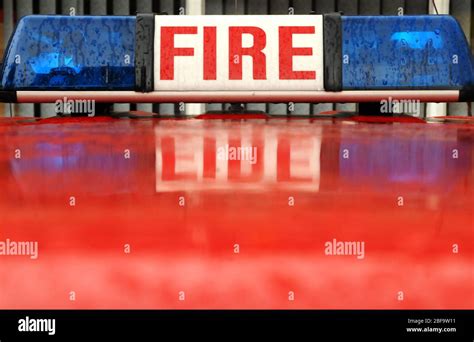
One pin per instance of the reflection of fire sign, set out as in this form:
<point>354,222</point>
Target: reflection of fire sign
<point>198,155</point>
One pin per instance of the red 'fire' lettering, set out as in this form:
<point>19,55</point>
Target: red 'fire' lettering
<point>209,53</point>
<point>168,51</point>
<point>287,51</point>
<point>236,51</point>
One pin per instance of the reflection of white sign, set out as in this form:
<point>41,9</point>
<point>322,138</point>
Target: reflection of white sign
<point>198,155</point>
<point>243,153</point>
<point>231,52</point>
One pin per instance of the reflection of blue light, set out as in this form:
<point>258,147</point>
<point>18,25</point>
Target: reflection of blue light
<point>418,39</point>
<point>68,62</point>
<point>390,162</point>
<point>56,164</point>
<point>45,62</point>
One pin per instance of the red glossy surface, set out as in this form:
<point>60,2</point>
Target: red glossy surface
<point>190,248</point>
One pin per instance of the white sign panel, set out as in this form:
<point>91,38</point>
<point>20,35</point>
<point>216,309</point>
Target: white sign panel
<point>238,52</point>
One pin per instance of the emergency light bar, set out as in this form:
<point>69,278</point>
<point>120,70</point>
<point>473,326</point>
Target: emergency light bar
<point>236,58</point>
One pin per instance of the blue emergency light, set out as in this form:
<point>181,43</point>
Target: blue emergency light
<point>111,58</point>
<point>63,52</point>
<point>405,52</point>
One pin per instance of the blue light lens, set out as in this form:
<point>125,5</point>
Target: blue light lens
<point>71,52</point>
<point>405,52</point>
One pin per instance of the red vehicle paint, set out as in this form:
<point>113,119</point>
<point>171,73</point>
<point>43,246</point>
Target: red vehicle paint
<point>184,214</point>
